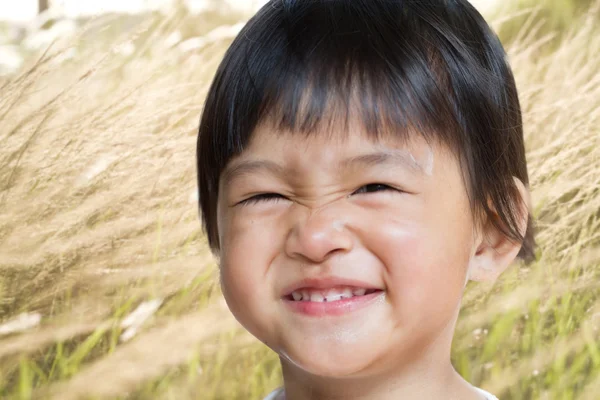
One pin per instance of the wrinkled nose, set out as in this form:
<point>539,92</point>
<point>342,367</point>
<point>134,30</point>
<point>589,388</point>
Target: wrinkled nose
<point>317,237</point>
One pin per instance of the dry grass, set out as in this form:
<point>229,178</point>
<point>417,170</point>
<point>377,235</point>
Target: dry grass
<point>98,215</point>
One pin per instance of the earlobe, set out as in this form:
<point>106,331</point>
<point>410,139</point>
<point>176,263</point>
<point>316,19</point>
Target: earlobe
<point>486,265</point>
<point>494,251</point>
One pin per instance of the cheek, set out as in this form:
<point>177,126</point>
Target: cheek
<point>247,248</point>
<point>424,263</point>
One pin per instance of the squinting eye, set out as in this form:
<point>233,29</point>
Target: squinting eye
<point>374,187</point>
<point>261,197</point>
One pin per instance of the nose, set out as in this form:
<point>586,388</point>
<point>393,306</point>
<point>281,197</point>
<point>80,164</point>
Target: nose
<point>317,237</point>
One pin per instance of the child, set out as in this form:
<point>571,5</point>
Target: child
<point>359,161</point>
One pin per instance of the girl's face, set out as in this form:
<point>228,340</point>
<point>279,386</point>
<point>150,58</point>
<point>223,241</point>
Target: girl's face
<point>346,256</point>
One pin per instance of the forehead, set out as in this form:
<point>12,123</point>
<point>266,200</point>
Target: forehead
<point>339,150</point>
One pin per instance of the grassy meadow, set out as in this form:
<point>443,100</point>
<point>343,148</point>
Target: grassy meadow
<point>108,289</point>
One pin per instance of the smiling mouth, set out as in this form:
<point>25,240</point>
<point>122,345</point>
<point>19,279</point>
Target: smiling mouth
<point>328,295</point>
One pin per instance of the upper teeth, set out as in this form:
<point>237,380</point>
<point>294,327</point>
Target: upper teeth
<point>328,295</point>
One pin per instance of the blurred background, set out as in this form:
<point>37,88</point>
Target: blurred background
<point>107,288</point>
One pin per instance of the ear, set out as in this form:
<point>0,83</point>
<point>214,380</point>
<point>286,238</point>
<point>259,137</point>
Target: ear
<point>493,252</point>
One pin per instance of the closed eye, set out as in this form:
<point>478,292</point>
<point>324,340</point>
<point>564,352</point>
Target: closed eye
<point>261,197</point>
<point>374,187</point>
<point>264,197</point>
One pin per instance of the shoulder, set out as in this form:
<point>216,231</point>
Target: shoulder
<point>488,396</point>
<point>275,395</point>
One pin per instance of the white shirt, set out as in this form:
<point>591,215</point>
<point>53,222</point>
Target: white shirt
<point>278,392</point>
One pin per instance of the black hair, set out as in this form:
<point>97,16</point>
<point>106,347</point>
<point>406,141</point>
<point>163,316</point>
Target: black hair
<point>431,67</point>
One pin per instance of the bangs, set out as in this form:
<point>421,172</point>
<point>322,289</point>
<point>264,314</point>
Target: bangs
<point>329,88</point>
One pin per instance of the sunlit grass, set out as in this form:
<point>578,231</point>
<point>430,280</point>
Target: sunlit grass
<point>98,215</point>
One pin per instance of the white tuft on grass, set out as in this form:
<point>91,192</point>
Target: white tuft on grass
<point>137,318</point>
<point>21,323</point>
<point>96,169</point>
<point>216,35</point>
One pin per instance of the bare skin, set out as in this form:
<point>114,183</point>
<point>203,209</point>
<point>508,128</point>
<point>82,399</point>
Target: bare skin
<point>346,209</point>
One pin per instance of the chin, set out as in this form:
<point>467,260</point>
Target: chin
<point>328,362</point>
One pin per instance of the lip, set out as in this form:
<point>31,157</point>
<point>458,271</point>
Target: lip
<point>334,308</point>
<point>327,283</point>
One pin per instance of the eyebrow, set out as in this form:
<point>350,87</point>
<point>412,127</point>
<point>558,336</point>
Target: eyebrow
<point>249,167</point>
<point>385,157</point>
<point>380,158</point>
